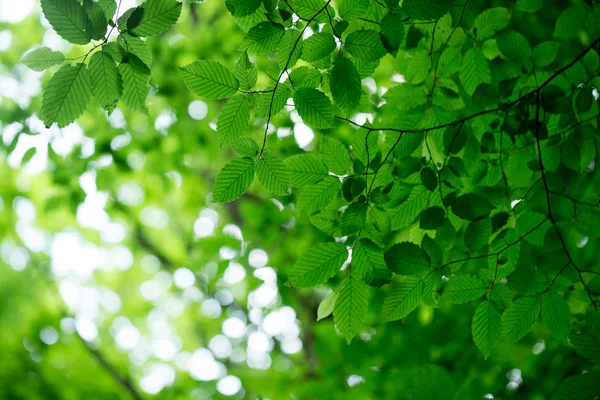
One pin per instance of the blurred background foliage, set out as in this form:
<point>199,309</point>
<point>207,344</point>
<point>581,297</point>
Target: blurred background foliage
<point>120,279</point>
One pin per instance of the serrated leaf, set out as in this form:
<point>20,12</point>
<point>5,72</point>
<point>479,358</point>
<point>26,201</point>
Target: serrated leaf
<point>154,17</point>
<point>305,169</point>
<point>518,319</point>
<point>245,147</point>
<point>556,315</point>
<point>263,38</point>
<point>351,306</point>
<point>367,260</point>
<point>474,70</point>
<point>335,155</point>
<point>587,346</point>
<point>579,387</point>
<point>471,206</point>
<point>569,21</point>
<point>42,58</point>
<point>486,327</point>
<point>392,31</point>
<point>106,80</point>
<point>210,79</point>
<point>426,10</point>
<point>245,72</point>
<point>364,148</point>
<point>346,87</point>
<point>242,8</point>
<point>314,107</point>
<point>69,19</point>
<point>137,46</point>
<point>478,233</point>
<point>407,258</point>
<point>233,180</point>
<point>135,76</point>
<point>328,222</point>
<point>463,289</point>
<point>273,102</point>
<point>514,46</point>
<point>273,174</point>
<point>67,95</point>
<point>326,306</point>
<point>354,218</point>
<point>318,46</point>
<point>96,13</point>
<point>402,298</point>
<point>405,97</point>
<point>490,21</point>
<point>305,77</point>
<point>318,265</point>
<point>289,49</point>
<point>365,44</point>
<point>350,9</point>
<point>316,197</point>
<point>233,119</point>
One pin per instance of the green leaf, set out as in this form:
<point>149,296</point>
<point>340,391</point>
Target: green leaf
<point>432,218</point>
<point>67,95</point>
<point>335,155</point>
<point>273,174</point>
<point>361,143</point>
<point>271,103</point>
<point>307,9</point>
<point>474,70</point>
<point>569,22</point>
<point>351,9</point>
<point>42,58</point>
<point>406,97</point>
<point>425,10</point>
<point>471,206</point>
<point>116,51</point>
<point>233,180</point>
<point>154,17</point>
<point>316,197</point>
<point>137,46</point>
<point>367,260</point>
<point>556,315</point>
<point>69,19</point>
<point>305,169</point>
<point>478,233</point>
<point>245,72</point>
<point>106,80</point>
<point>530,5</point>
<point>318,46</point>
<point>346,87</point>
<point>351,306</point>
<point>354,218</point>
<point>242,8</point>
<point>407,258</point>
<point>96,13</point>
<point>314,107</point>
<point>514,46</point>
<point>210,79</point>
<point>579,387</point>
<point>233,119</point>
<point>486,327</point>
<point>463,289</point>
<point>328,222</point>
<point>402,298</point>
<point>490,21</point>
<point>587,346</point>
<point>365,44</point>
<point>289,49</point>
<point>245,147</point>
<point>305,77</point>
<point>263,38</point>
<point>318,265</point>
<point>326,306</point>
<point>518,319</point>
<point>135,76</point>
<point>392,31</point>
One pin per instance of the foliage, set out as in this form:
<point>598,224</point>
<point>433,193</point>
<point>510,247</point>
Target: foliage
<point>454,185</point>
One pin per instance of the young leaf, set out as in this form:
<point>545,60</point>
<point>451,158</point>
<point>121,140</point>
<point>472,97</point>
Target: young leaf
<point>350,9</point>
<point>245,147</point>
<point>365,44</point>
<point>69,20</point>
<point>245,72</point>
<point>556,315</point>
<point>318,46</point>
<point>402,298</point>
<point>346,86</point>
<point>316,197</point>
<point>335,155</point>
<point>474,70</point>
<point>314,107</point>
<point>518,319</point>
<point>407,258</point>
<point>364,145</point>
<point>426,10</point>
<point>289,49</point>
<point>305,169</point>
<point>273,174</point>
<point>326,306</point>
<point>490,21</point>
<point>234,118</point>
<point>42,58</point>
<point>106,80</point>
<point>210,79</point>
<point>233,180</point>
<point>154,17</point>
<point>135,76</point>
<point>486,327</point>
<point>271,103</point>
<point>241,8</point>
<point>263,38</point>
<point>351,306</point>
<point>318,264</point>
<point>463,289</point>
<point>67,95</point>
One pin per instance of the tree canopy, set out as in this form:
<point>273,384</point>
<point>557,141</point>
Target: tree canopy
<point>306,199</point>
